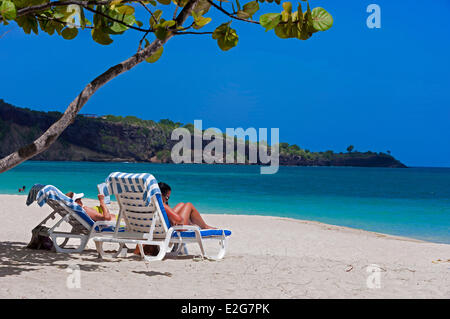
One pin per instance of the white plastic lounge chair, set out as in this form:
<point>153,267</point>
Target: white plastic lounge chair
<point>83,227</point>
<point>141,207</point>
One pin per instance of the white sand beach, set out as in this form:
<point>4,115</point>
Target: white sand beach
<point>268,257</point>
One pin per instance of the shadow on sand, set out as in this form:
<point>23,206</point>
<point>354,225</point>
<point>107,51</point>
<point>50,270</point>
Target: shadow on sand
<point>15,259</point>
<point>153,273</point>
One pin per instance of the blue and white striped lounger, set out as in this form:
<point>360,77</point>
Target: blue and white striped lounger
<point>83,227</point>
<point>147,223</point>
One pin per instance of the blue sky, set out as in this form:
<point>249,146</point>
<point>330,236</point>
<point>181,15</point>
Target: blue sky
<point>378,89</point>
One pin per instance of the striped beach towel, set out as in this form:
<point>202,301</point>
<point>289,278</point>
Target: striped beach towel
<point>51,192</point>
<point>32,194</point>
<point>144,183</point>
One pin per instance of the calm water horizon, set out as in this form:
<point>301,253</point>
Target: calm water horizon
<point>413,202</point>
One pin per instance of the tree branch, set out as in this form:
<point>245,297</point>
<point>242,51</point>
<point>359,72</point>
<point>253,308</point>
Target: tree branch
<point>231,15</point>
<point>175,12</point>
<point>184,14</point>
<point>45,18</point>
<point>148,10</point>
<point>53,132</point>
<point>190,32</point>
<point>4,33</point>
<point>140,42</point>
<point>45,6</point>
<point>118,21</point>
<point>84,4</point>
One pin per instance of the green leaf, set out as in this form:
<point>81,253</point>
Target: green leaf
<point>47,26</point>
<point>166,2</point>
<point>82,19</point>
<point>202,7</point>
<point>116,28</point>
<point>300,15</point>
<point>306,28</point>
<point>20,3</point>
<point>58,14</point>
<point>161,32</point>
<point>157,14</point>
<point>58,27</point>
<point>270,20</point>
<point>152,2</point>
<point>242,14</point>
<point>289,27</point>
<point>322,20</point>
<point>28,24</point>
<point>125,14</point>
<point>282,31</point>
<point>180,3</point>
<point>287,6</point>
<point>226,37</point>
<point>112,27</point>
<point>125,10</point>
<point>8,10</point>
<point>270,1</point>
<point>100,37</point>
<point>155,56</point>
<point>251,8</point>
<point>69,33</point>
<point>168,23</point>
<point>200,21</point>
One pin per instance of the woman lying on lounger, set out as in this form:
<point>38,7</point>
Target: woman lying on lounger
<point>100,212</point>
<point>182,213</point>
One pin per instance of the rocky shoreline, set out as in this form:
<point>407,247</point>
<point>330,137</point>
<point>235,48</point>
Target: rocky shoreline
<point>105,140</point>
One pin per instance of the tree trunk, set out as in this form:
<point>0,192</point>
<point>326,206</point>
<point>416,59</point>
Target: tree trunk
<point>53,132</point>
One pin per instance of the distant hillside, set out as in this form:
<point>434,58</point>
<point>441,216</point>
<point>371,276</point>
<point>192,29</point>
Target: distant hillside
<point>115,138</point>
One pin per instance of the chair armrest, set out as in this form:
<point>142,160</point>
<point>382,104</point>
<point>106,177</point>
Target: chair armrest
<point>104,223</point>
<point>186,227</point>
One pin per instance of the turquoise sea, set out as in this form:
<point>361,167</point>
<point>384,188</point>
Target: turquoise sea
<point>413,202</point>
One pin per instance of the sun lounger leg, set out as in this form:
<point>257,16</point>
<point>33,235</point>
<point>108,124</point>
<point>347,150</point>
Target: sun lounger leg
<point>141,250</point>
<point>178,249</point>
<point>183,249</point>
<point>223,242</point>
<point>200,243</point>
<point>101,252</point>
<point>64,243</point>
<point>160,256</point>
<point>59,248</point>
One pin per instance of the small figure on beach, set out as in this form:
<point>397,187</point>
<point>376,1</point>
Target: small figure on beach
<point>22,189</point>
<point>99,212</point>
